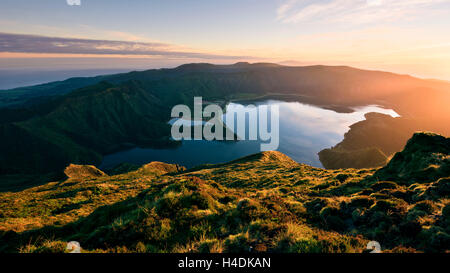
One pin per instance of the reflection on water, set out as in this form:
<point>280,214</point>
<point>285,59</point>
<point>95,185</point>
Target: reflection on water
<point>304,131</point>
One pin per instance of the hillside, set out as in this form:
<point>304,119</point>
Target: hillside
<point>261,203</point>
<point>81,120</point>
<point>371,142</point>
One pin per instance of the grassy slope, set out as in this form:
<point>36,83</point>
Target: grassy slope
<point>264,202</point>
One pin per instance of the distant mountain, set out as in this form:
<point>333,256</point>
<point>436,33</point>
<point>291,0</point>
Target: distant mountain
<point>79,120</point>
<point>82,126</point>
<point>261,203</point>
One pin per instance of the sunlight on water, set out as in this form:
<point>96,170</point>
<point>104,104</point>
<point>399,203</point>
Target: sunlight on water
<point>304,131</point>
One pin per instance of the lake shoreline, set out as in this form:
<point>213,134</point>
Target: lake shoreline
<point>136,151</point>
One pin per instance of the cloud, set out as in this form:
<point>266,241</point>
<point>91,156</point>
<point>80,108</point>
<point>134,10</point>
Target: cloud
<point>352,11</point>
<point>23,43</point>
<point>284,8</point>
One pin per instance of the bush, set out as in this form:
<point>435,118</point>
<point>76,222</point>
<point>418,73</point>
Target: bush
<point>441,188</point>
<point>446,212</point>
<point>237,244</point>
<point>361,201</point>
<point>210,246</point>
<point>414,215</point>
<point>425,206</point>
<point>46,247</point>
<point>398,206</point>
<point>401,194</point>
<point>315,206</point>
<point>140,247</point>
<point>197,200</point>
<point>168,206</point>
<point>384,185</point>
<point>401,249</point>
<point>380,196</point>
<point>336,223</point>
<point>440,241</point>
<point>358,216</point>
<point>410,229</point>
<point>328,211</point>
<point>306,246</point>
<point>342,177</point>
<point>247,209</point>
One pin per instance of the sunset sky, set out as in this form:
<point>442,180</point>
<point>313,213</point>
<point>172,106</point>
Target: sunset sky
<point>404,36</point>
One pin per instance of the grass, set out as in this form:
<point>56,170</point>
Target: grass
<point>262,203</point>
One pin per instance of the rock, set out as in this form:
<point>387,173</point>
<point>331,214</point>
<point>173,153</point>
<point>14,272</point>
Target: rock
<point>83,172</point>
<point>159,168</point>
<point>426,158</point>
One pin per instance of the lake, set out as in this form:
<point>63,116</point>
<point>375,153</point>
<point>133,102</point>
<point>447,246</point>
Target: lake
<point>304,131</point>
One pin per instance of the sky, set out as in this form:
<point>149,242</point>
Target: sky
<point>402,36</point>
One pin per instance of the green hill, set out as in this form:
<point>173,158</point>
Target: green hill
<point>424,159</point>
<point>81,120</point>
<point>261,203</point>
<point>371,142</point>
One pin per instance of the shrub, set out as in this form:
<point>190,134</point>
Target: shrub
<point>440,241</point>
<point>361,201</point>
<point>200,201</point>
<point>342,177</point>
<point>226,199</point>
<point>306,246</point>
<point>414,214</point>
<point>336,223</point>
<point>398,205</point>
<point>45,247</point>
<point>259,230</point>
<point>315,206</point>
<point>328,211</point>
<point>358,216</point>
<point>210,246</point>
<point>384,185</point>
<point>446,212</point>
<point>401,194</point>
<point>237,244</point>
<point>247,209</point>
<point>140,247</point>
<point>168,206</point>
<point>380,196</point>
<point>410,229</point>
<point>401,249</point>
<point>425,206</point>
<point>441,188</point>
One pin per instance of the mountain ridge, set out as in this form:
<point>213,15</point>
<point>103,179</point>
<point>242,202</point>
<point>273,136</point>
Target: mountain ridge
<point>70,84</point>
<point>133,108</point>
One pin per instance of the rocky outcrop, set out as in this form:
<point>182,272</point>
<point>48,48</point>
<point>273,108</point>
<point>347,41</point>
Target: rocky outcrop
<point>83,172</point>
<point>159,168</point>
<point>425,158</point>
